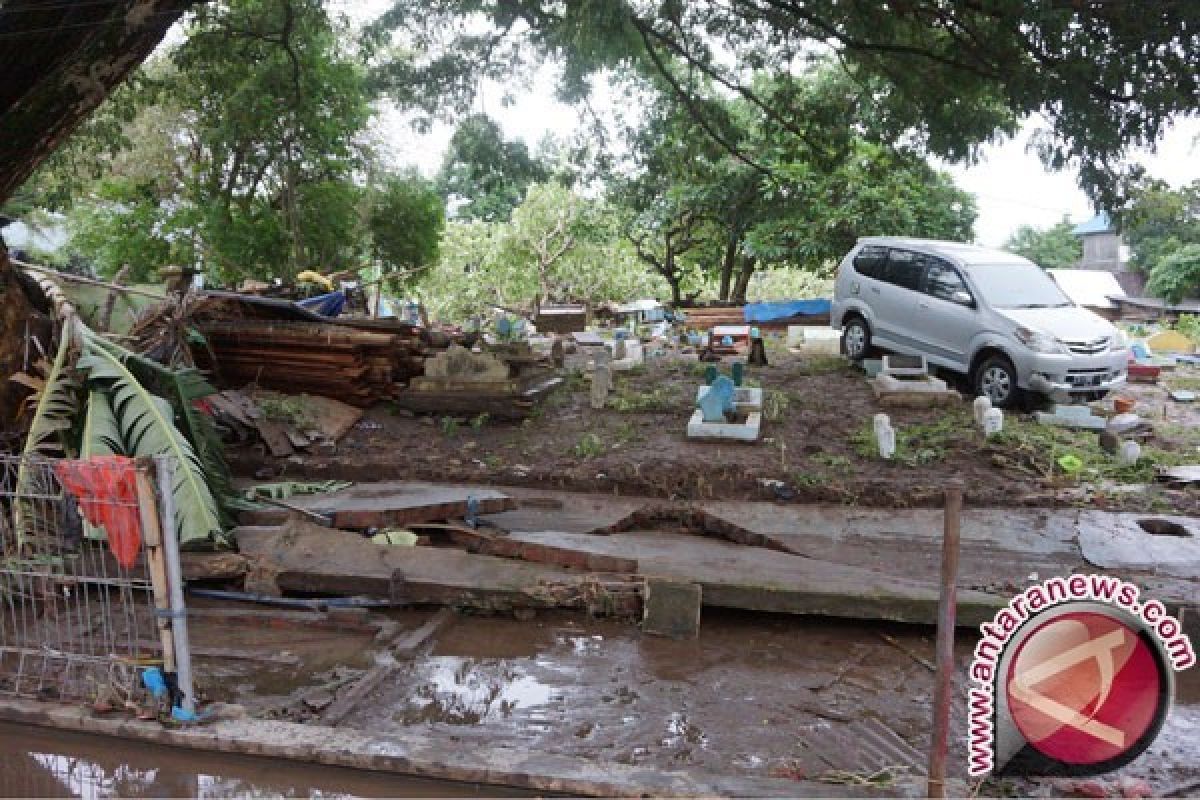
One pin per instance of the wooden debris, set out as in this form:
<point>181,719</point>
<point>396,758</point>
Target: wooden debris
<point>389,505</point>
<point>490,544</point>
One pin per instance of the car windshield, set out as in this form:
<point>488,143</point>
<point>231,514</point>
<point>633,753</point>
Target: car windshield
<point>1017,285</point>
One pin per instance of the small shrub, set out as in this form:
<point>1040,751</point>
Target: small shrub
<point>589,446</point>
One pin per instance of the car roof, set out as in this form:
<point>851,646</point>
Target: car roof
<point>965,254</point>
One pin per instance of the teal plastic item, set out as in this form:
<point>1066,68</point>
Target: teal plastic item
<point>710,375</point>
<point>717,400</point>
<point>739,373</point>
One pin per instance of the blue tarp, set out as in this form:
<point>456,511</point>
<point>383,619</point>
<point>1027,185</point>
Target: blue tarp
<point>766,312</point>
<point>327,305</point>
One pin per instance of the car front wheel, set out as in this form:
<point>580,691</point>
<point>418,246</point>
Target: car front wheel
<point>996,379</point>
<point>856,339</point>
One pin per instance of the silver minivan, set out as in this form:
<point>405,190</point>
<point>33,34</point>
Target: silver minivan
<point>995,317</point>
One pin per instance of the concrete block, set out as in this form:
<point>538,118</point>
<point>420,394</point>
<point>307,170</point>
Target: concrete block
<point>672,608</point>
<point>814,339</point>
<point>904,366</point>
<point>747,431</point>
<point>924,392</point>
<point>745,399</point>
<point>1072,417</point>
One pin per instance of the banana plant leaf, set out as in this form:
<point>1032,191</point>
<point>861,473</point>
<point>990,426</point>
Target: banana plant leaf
<point>182,387</point>
<point>100,437</point>
<point>147,428</point>
<point>49,437</point>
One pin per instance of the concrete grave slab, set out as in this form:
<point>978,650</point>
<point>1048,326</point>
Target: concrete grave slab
<point>901,365</point>
<point>926,392</point>
<point>747,431</point>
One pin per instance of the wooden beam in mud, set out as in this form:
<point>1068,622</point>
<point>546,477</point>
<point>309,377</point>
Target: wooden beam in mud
<point>476,540</point>
<point>389,505</point>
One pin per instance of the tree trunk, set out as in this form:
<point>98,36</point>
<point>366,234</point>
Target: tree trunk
<point>59,62</point>
<point>727,264</point>
<point>743,280</point>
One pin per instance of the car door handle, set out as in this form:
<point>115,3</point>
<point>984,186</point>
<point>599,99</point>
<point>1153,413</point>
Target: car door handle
<point>875,289</point>
<point>922,304</point>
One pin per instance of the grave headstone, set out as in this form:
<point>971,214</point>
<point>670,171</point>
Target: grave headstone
<point>900,365</point>
<point>601,380</point>
<point>557,354</point>
<point>710,375</point>
<point>718,400</point>
<point>739,373</point>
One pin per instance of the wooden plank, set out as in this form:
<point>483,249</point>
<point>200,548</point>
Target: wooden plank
<point>389,504</point>
<point>409,642</point>
<point>275,437</point>
<point>485,543</point>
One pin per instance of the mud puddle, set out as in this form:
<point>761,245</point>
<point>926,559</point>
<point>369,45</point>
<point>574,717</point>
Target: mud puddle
<point>756,695</point>
<point>44,763</point>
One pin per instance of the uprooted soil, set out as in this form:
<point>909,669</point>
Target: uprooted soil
<point>816,446</point>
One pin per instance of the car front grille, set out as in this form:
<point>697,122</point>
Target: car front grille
<point>1090,377</point>
<point>1088,348</point>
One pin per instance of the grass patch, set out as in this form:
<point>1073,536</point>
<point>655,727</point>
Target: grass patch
<point>589,446</point>
<point>1187,382</point>
<point>1036,449</point>
<point>655,400</point>
<point>918,445</point>
<point>824,365</point>
<point>775,404</point>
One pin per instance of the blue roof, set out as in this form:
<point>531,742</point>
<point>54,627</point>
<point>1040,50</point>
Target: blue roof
<point>1097,224</point>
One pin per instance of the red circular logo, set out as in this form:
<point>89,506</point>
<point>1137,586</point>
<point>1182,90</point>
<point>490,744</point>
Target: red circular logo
<point>1084,688</point>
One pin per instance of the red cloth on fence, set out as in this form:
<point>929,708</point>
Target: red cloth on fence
<point>106,488</point>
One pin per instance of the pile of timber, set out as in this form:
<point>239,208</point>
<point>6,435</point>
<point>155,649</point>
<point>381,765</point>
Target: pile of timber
<point>357,366</point>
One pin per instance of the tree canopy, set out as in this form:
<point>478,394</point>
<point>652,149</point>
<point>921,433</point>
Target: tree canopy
<point>483,176</point>
<point>1107,76</point>
<point>1053,248</point>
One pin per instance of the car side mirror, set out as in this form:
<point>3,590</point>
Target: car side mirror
<point>963,298</point>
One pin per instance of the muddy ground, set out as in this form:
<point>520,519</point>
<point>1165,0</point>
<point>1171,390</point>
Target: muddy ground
<point>755,695</point>
<point>816,446</point>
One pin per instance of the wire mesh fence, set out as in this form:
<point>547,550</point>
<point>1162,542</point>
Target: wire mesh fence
<point>78,603</point>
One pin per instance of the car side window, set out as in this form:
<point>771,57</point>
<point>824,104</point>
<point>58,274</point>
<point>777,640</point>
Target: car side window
<point>904,268</point>
<point>869,260</point>
<point>942,280</point>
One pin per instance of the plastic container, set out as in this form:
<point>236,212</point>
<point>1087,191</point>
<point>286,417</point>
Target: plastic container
<point>1123,405</point>
<point>1128,453</point>
<point>980,407</point>
<point>993,421</point>
<point>885,437</point>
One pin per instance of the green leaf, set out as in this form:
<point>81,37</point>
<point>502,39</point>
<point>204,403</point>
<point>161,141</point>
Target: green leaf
<point>49,436</point>
<point>147,428</point>
<point>101,436</point>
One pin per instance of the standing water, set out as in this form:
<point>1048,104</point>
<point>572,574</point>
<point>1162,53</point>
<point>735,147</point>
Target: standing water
<point>47,763</point>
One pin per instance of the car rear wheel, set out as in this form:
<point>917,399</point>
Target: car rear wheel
<point>856,339</point>
<point>996,379</point>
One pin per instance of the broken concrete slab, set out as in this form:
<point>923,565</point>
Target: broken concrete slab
<point>672,608</point>
<point>761,579</point>
<point>1164,545</point>
<point>389,504</point>
<point>1069,416</point>
<point>299,556</point>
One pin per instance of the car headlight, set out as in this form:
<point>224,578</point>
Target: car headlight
<point>1037,341</point>
<point>1119,341</point>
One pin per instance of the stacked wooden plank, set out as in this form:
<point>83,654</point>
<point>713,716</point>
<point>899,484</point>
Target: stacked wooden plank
<point>707,317</point>
<point>359,367</point>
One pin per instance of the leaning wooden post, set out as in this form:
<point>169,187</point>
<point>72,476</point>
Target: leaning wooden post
<point>165,473</point>
<point>952,521</point>
<point>156,562</point>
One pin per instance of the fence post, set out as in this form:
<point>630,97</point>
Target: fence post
<point>156,562</point>
<point>183,654</point>
<point>940,741</point>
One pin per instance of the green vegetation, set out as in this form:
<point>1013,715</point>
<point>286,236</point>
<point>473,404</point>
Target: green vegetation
<point>919,445</point>
<point>589,446</point>
<point>1052,248</point>
<point>1037,450</point>
<point>656,399</point>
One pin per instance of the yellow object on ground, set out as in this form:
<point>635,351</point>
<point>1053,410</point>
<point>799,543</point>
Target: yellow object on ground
<point>1170,342</point>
